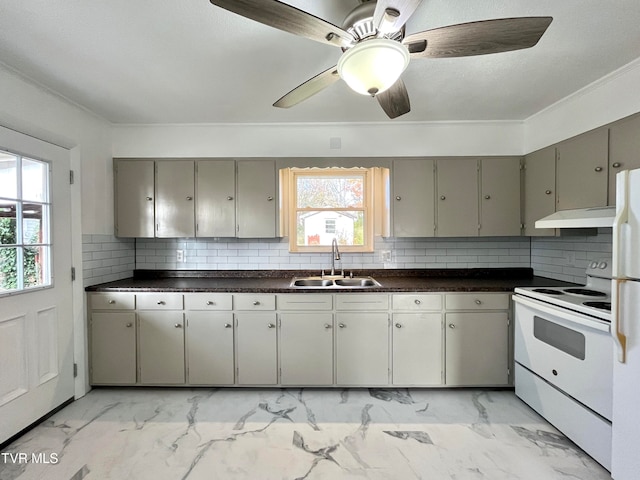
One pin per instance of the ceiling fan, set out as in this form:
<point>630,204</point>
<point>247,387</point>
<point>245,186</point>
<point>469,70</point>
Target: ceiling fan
<point>375,48</point>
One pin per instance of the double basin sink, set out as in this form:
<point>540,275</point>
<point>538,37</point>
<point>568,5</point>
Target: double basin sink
<point>334,282</point>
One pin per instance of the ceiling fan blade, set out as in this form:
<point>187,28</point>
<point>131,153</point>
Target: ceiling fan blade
<point>289,19</point>
<point>478,38</point>
<point>391,15</point>
<point>395,100</point>
<point>309,88</point>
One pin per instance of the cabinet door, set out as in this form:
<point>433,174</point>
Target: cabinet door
<point>457,197</point>
<point>216,198</point>
<point>256,204</point>
<point>624,150</point>
<point>134,198</point>
<point>209,337</point>
<point>306,348</point>
<point>417,349</point>
<point>161,348</point>
<point>257,356</point>
<point>500,196</point>
<point>539,190</point>
<point>362,349</point>
<point>175,187</point>
<point>113,348</point>
<point>414,198</point>
<point>582,170</point>
<point>477,348</point>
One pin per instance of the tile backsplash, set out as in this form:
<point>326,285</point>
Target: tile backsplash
<point>106,258</point>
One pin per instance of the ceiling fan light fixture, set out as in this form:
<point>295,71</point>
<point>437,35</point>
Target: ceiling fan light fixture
<point>373,66</point>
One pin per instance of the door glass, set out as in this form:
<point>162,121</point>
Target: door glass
<point>560,337</point>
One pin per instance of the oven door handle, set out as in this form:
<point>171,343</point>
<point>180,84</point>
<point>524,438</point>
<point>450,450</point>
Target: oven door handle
<point>619,338</point>
<point>576,318</point>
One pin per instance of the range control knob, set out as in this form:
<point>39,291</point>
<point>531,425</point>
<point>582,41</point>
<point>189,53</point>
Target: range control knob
<point>593,265</point>
<point>602,265</point>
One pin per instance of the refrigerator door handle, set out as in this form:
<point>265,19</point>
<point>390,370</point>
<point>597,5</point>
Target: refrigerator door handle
<point>622,217</point>
<point>619,338</point>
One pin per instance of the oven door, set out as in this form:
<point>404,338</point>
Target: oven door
<point>569,350</point>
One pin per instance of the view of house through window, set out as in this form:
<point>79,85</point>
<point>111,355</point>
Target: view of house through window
<point>25,245</point>
<point>330,203</point>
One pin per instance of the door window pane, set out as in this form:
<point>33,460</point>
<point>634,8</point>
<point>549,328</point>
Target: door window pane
<point>8,231</point>
<point>8,175</point>
<point>8,269</point>
<point>35,180</point>
<point>34,223</point>
<point>35,266</point>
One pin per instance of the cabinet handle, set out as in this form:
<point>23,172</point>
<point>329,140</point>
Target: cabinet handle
<point>189,198</point>
<point>616,165</point>
<point>341,325</point>
<point>178,325</point>
<point>451,325</point>
<point>478,302</point>
<point>161,302</point>
<point>487,197</point>
<point>398,325</point>
<point>398,197</point>
<point>112,302</point>
<point>270,325</point>
<point>227,325</point>
<point>548,192</point>
<point>598,169</point>
<point>269,198</point>
<point>256,303</point>
<point>229,197</point>
<point>327,326</point>
<point>129,325</point>
<point>442,197</point>
<point>417,302</point>
<point>555,372</point>
<point>209,302</point>
<point>149,199</point>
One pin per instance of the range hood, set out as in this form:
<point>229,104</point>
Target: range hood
<point>579,218</point>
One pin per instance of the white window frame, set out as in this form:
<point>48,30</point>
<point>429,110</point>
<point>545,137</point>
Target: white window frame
<point>20,245</point>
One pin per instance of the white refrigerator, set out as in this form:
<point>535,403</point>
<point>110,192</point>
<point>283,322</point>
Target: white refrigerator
<point>625,328</point>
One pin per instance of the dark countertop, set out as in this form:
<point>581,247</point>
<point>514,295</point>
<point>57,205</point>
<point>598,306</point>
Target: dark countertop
<point>278,281</point>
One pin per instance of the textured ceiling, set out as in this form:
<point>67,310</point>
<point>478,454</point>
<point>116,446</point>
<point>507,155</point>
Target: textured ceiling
<point>186,61</point>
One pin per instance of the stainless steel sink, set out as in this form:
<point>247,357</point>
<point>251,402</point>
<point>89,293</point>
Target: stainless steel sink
<point>336,283</point>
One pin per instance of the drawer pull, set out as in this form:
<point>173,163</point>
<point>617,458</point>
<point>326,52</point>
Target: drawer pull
<point>256,303</point>
<point>342,325</point>
<point>398,325</point>
<point>487,197</point>
<point>189,198</point>
<point>417,302</point>
<point>442,197</point>
<point>616,165</point>
<point>178,325</point>
<point>398,197</point>
<point>209,302</point>
<point>129,325</point>
<point>451,325</point>
<point>229,197</point>
<point>149,199</point>
<point>270,325</point>
<point>327,326</point>
<point>227,325</point>
<point>161,302</point>
<point>478,302</point>
<point>598,169</point>
<point>112,302</point>
<point>548,192</point>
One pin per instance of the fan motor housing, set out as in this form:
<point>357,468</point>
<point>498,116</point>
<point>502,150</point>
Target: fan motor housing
<point>359,23</point>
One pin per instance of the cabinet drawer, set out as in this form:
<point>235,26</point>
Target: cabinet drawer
<point>418,301</point>
<point>362,301</point>
<point>208,301</point>
<point>251,301</point>
<point>113,301</point>
<point>159,301</point>
<point>477,301</point>
<point>294,301</point>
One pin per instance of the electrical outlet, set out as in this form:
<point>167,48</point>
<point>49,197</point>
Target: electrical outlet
<point>385,256</point>
<point>180,256</point>
<point>571,259</point>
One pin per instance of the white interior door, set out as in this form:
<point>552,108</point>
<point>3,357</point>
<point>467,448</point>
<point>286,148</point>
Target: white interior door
<point>36,322</point>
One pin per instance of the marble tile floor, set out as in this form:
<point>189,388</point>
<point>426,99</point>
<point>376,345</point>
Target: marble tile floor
<point>261,434</point>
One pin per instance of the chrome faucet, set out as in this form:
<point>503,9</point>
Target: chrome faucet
<point>335,255</point>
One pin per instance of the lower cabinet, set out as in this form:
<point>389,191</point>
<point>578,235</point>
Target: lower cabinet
<point>113,348</point>
<point>417,349</point>
<point>257,352</point>
<point>209,339</point>
<point>306,348</point>
<point>477,348</point>
<point>362,349</point>
<point>161,347</point>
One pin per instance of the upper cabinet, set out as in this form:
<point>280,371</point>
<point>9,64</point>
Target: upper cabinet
<point>175,199</point>
<point>135,198</point>
<point>500,196</point>
<point>413,198</point>
<point>256,205</point>
<point>457,197</point>
<point>582,166</point>
<point>624,150</point>
<point>539,190</point>
<point>215,198</point>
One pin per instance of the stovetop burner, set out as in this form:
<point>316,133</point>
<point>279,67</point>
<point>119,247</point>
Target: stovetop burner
<point>599,305</point>
<point>585,292</point>
<point>547,291</point>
